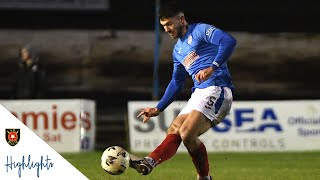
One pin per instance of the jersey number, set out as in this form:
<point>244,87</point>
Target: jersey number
<point>210,101</point>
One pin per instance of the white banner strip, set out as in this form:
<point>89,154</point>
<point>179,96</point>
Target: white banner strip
<point>250,126</point>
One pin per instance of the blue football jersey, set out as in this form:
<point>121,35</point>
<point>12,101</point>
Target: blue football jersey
<point>202,46</point>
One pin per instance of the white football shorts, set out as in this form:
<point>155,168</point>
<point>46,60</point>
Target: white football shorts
<point>214,102</point>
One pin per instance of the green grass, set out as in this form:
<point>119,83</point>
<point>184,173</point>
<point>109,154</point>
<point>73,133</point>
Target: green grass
<point>224,166</point>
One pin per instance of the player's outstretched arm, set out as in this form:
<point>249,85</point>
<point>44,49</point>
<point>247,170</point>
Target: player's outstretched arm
<point>147,113</point>
<point>178,78</point>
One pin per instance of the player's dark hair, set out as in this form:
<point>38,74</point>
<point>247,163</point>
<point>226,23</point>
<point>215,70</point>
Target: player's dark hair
<point>169,8</point>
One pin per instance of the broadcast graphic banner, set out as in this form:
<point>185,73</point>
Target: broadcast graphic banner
<point>25,156</point>
<point>250,126</point>
<point>66,125</point>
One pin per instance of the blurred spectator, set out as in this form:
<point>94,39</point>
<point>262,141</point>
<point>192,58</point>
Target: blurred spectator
<point>30,77</point>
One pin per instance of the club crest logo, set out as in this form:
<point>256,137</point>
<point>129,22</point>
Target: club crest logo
<point>12,136</point>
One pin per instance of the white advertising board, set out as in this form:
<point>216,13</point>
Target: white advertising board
<point>250,126</point>
<point>25,156</point>
<point>67,125</point>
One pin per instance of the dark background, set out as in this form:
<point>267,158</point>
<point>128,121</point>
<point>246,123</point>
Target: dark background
<point>235,15</point>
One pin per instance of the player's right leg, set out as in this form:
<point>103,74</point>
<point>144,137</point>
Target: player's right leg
<point>163,152</point>
<point>142,165</point>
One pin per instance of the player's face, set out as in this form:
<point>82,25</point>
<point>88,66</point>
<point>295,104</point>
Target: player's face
<point>173,26</point>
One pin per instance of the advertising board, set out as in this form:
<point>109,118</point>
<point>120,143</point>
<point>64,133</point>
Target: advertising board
<point>250,126</point>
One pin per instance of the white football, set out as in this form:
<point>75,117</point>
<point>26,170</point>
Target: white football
<point>115,160</point>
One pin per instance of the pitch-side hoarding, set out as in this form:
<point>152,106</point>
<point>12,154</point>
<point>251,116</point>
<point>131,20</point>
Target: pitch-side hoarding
<point>250,126</point>
<point>67,125</point>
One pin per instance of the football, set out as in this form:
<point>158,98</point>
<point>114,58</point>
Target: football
<point>115,160</point>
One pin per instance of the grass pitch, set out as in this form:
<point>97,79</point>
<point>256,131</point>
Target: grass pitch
<point>224,166</point>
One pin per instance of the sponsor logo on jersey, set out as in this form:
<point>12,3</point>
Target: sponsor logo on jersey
<point>12,136</point>
<point>189,59</point>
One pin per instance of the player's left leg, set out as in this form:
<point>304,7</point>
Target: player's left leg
<point>195,125</point>
<point>210,106</point>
